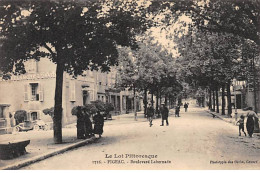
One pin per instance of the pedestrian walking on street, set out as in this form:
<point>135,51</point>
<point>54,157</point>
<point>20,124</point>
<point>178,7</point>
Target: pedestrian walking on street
<point>98,124</point>
<point>250,121</point>
<point>177,111</point>
<point>240,122</point>
<point>186,107</point>
<point>150,114</point>
<point>165,114</point>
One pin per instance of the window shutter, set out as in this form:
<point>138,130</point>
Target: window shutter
<point>72,91</point>
<point>26,92</point>
<point>41,98</point>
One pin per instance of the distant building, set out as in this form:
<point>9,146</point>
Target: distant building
<point>242,96</point>
<point>35,91</point>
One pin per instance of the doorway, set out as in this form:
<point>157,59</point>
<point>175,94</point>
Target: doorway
<point>85,97</point>
<point>239,100</point>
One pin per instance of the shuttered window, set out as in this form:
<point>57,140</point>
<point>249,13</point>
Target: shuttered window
<point>33,92</point>
<point>41,94</point>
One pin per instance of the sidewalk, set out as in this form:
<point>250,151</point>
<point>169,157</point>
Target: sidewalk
<point>232,119</point>
<point>42,146</point>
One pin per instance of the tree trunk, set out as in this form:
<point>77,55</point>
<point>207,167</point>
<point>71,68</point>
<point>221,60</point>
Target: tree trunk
<point>135,105</point>
<point>160,102</point>
<point>210,100</point>
<point>179,100</point>
<point>152,100</point>
<point>214,101</point>
<point>160,97</point>
<point>217,103</point>
<point>229,99</point>
<point>145,102</point>
<point>223,99</point>
<point>157,100</point>
<point>57,119</point>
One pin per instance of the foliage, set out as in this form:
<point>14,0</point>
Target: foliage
<point>127,71</point>
<point>20,116</point>
<point>208,59</point>
<point>100,106</point>
<point>49,111</point>
<point>109,107</point>
<point>92,108</point>
<point>79,32</point>
<point>229,27</point>
<point>74,110</point>
<point>145,67</point>
<point>236,17</point>
<point>76,36</point>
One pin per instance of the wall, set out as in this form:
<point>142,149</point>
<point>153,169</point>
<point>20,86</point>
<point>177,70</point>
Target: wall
<point>43,72</point>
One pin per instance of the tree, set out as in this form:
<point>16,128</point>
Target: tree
<point>149,68</point>
<point>236,17</point>
<point>76,36</point>
<point>127,72</point>
<point>20,116</point>
<point>209,60</point>
<point>239,18</point>
<point>49,111</point>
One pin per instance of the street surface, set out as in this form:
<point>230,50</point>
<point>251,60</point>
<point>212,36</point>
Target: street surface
<point>193,141</point>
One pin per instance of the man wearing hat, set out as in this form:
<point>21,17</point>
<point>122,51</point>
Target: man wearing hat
<point>165,114</point>
<point>150,114</point>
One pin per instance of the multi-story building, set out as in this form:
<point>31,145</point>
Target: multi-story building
<point>34,91</point>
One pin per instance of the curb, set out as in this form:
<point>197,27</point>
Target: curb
<point>48,154</point>
<point>228,121</point>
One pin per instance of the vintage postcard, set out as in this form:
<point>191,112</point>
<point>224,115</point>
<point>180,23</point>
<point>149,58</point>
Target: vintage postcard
<point>129,84</point>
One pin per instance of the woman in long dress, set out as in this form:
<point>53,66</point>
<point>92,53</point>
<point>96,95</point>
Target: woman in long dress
<point>250,121</point>
<point>98,124</point>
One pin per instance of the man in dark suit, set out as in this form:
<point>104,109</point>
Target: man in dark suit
<point>165,114</point>
<point>150,114</point>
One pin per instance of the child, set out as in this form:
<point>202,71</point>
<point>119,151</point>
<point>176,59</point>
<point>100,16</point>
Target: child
<point>241,124</point>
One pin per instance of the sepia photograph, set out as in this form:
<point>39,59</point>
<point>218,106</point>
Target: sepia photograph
<point>129,85</point>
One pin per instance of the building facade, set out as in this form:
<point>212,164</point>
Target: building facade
<point>35,91</point>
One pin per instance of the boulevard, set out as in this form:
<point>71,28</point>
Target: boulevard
<point>193,141</point>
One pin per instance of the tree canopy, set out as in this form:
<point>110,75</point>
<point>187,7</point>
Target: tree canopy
<point>75,35</point>
<point>238,17</point>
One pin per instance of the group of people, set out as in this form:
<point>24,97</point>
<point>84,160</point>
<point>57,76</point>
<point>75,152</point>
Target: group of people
<point>84,124</point>
<point>164,112</point>
<point>250,122</point>
<point>178,108</point>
